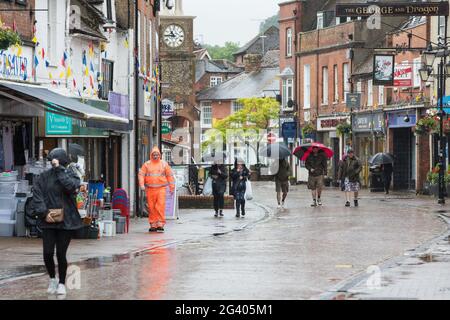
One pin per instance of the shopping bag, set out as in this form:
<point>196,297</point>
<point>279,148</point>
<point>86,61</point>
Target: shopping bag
<point>248,190</point>
<point>207,189</point>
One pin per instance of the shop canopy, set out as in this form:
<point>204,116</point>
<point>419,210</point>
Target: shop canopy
<point>38,96</point>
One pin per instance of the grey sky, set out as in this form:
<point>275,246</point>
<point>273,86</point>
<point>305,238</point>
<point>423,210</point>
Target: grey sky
<point>219,21</point>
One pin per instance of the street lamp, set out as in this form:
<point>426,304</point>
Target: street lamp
<point>441,53</point>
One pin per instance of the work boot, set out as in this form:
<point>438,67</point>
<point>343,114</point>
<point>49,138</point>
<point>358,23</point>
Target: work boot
<point>160,230</point>
<point>347,204</point>
<point>216,214</point>
<point>314,203</point>
<point>243,213</point>
<point>221,213</point>
<point>356,203</point>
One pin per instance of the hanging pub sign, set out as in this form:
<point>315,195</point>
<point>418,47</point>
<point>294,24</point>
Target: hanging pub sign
<point>403,75</point>
<point>383,69</point>
<point>353,100</point>
<point>393,9</point>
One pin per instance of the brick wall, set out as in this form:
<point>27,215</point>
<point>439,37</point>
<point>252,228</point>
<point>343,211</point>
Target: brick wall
<point>24,20</point>
<point>204,81</point>
<point>221,109</point>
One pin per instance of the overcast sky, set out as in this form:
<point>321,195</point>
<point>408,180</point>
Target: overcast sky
<point>219,21</point>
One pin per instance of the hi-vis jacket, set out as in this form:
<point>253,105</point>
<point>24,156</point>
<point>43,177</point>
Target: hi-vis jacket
<point>156,174</point>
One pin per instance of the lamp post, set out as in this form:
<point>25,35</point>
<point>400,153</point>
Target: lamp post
<point>441,52</point>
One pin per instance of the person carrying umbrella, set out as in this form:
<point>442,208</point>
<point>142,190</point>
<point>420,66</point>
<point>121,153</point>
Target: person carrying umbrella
<point>385,162</point>
<point>349,170</point>
<point>239,176</point>
<point>316,164</point>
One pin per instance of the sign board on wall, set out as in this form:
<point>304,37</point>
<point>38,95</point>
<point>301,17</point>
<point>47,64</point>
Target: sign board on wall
<point>393,9</point>
<point>383,70</point>
<point>403,75</point>
<point>56,124</point>
<point>167,109</point>
<point>15,67</point>
<point>330,123</point>
<point>353,100</point>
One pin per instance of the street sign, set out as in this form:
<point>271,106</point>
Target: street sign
<point>167,109</point>
<point>289,130</point>
<point>165,130</point>
<point>393,9</point>
<point>354,100</point>
<point>403,75</point>
<point>271,138</point>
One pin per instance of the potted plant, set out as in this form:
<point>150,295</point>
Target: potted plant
<point>433,181</point>
<point>8,37</point>
<point>427,124</point>
<point>307,129</point>
<point>344,128</point>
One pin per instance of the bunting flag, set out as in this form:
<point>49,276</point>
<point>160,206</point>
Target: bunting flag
<point>47,63</point>
<point>126,43</point>
<point>63,60</point>
<point>91,49</point>
<point>19,51</point>
<point>36,61</point>
<point>84,58</point>
<point>74,83</point>
<point>86,71</point>
<point>91,81</point>
<point>39,52</point>
<point>7,62</point>
<point>61,75</point>
<point>22,67</point>
<point>25,76</point>
<point>54,83</point>
<point>79,93</point>
<point>50,76</point>
<point>69,72</point>
<point>34,40</point>
<point>92,67</point>
<point>43,53</point>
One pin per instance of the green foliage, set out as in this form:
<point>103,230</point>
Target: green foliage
<point>223,52</point>
<point>256,114</point>
<point>269,22</point>
<point>426,125</point>
<point>307,129</point>
<point>343,129</point>
<point>8,38</point>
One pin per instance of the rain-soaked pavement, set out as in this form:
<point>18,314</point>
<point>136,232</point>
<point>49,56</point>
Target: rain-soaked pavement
<point>300,253</point>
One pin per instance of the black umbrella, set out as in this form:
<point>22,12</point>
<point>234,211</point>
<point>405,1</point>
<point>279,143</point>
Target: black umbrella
<point>381,158</point>
<point>275,151</point>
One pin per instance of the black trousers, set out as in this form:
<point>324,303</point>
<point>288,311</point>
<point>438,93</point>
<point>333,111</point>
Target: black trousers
<point>219,201</point>
<point>387,182</point>
<point>240,206</point>
<point>60,239</point>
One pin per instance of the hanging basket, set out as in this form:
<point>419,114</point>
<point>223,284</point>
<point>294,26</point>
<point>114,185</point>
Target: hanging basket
<point>343,129</point>
<point>8,38</point>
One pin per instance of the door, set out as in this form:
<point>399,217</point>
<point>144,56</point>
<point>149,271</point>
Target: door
<point>403,159</point>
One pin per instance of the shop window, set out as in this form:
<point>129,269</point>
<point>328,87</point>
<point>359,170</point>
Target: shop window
<point>107,85</point>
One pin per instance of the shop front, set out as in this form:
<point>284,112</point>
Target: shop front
<point>369,138</point>
<point>327,134</point>
<point>402,144</point>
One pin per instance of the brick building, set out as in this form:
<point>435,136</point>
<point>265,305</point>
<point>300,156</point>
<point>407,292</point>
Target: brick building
<point>210,73</point>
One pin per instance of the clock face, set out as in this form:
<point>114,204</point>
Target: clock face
<point>174,36</point>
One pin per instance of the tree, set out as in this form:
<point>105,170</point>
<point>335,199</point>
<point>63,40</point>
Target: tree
<point>223,52</point>
<point>269,22</point>
<point>245,125</point>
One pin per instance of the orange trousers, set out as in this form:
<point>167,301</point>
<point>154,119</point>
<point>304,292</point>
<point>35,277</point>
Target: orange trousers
<point>156,201</point>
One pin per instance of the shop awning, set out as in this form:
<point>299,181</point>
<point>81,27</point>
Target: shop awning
<point>38,96</point>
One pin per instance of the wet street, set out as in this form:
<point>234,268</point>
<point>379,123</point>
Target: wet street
<point>299,253</point>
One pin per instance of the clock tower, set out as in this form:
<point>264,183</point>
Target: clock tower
<point>177,61</point>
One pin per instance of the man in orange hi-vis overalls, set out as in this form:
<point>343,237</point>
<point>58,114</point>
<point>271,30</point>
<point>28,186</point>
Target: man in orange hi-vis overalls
<point>154,177</point>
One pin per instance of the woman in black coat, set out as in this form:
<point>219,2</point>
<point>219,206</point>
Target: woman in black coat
<point>219,177</point>
<point>56,189</point>
<point>239,176</point>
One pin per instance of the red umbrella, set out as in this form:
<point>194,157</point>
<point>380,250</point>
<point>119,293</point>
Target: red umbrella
<point>302,152</point>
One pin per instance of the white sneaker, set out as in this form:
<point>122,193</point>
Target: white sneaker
<point>53,286</point>
<point>61,291</point>
<point>283,206</point>
<point>279,207</point>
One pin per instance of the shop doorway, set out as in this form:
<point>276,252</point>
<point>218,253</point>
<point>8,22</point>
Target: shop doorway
<point>404,153</point>
<point>336,157</point>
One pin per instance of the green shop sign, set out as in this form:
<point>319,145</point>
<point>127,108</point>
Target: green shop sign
<point>165,130</point>
<point>56,124</point>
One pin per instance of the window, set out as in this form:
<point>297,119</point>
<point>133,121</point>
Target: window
<point>139,38</point>
<point>206,115</point>
<point>346,80</point>
<point>150,48</point>
<point>109,10</point>
<point>236,106</point>
<point>214,81</point>
<point>320,20</point>
<point>51,31</point>
<point>441,27</point>
<point>325,85</point>
<point>289,42</point>
<point>370,93</point>
<point>306,86</point>
<point>288,92</point>
<point>359,86</point>
<point>381,95</point>
<point>335,83</point>
<point>107,85</point>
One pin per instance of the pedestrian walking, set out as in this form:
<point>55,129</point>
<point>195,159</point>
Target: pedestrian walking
<point>349,170</point>
<point>387,169</point>
<point>282,182</point>
<point>316,164</point>
<point>55,204</point>
<point>239,176</point>
<point>154,178</point>
<point>219,177</point>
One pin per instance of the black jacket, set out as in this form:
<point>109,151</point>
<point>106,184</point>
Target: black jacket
<point>55,189</point>
<point>318,163</point>
<point>239,185</point>
<point>219,184</point>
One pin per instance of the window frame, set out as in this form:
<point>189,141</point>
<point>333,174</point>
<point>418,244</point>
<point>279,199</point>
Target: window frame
<point>335,84</point>
<point>370,93</point>
<point>203,105</point>
<point>325,85</point>
<point>289,42</point>
<point>108,77</point>
<point>214,79</point>
<point>307,86</point>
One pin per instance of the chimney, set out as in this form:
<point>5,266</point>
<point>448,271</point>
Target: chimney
<point>252,62</point>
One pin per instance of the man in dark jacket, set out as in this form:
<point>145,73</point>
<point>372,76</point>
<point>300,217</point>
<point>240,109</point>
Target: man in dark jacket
<point>387,170</point>
<point>54,190</point>
<point>219,176</point>
<point>316,164</point>
<point>239,176</point>
<point>282,181</point>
